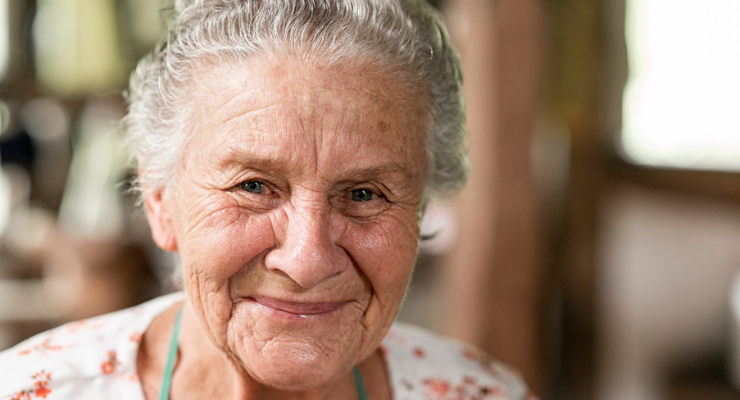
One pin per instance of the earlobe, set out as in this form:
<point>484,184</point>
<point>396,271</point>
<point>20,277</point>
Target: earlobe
<point>160,221</point>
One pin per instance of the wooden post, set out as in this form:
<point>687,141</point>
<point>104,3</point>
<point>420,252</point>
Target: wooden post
<point>492,281</point>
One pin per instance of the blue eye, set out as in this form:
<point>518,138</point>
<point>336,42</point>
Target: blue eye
<point>255,187</point>
<point>362,195</point>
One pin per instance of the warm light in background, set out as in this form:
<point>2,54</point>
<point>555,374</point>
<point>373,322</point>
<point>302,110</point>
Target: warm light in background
<point>682,102</point>
<point>4,38</point>
<point>77,47</point>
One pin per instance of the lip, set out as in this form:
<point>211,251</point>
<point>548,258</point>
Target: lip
<point>298,308</point>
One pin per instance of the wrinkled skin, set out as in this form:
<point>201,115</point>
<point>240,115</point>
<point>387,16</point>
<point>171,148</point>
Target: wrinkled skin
<point>295,212</point>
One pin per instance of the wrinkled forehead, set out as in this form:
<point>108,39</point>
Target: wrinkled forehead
<point>291,70</point>
<point>311,87</point>
<point>284,103</point>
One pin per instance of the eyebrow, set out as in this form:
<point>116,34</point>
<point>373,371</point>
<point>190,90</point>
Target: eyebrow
<point>235,157</point>
<point>373,172</point>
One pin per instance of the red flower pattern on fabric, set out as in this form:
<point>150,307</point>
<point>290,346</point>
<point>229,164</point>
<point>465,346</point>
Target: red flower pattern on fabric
<point>109,367</point>
<point>42,348</point>
<point>135,337</point>
<point>467,389</point>
<point>41,391</point>
<point>436,388</point>
<point>40,384</point>
<point>485,362</point>
<point>83,324</point>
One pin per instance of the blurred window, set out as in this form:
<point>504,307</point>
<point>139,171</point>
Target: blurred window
<point>682,101</point>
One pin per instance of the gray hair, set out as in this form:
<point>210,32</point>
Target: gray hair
<point>404,36</point>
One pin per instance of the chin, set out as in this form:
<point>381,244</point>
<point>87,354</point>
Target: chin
<point>296,368</point>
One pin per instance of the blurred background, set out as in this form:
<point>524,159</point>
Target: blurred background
<point>595,249</point>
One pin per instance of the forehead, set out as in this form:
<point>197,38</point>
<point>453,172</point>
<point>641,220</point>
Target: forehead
<point>347,110</point>
<point>254,81</point>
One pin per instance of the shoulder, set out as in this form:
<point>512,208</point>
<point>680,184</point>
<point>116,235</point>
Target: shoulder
<point>72,359</point>
<point>423,365</point>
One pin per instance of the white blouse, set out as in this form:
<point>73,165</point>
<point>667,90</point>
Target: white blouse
<point>96,359</point>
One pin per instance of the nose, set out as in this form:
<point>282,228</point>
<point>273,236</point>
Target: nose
<point>307,251</point>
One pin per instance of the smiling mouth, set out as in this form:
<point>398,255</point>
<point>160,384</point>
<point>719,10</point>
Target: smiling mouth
<point>298,308</point>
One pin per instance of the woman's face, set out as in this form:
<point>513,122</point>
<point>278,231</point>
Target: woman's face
<point>295,212</point>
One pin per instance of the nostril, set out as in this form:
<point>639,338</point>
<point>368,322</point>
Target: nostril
<point>307,255</point>
<point>307,239</point>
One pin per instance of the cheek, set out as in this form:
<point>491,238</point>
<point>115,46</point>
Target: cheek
<point>221,239</point>
<point>216,242</point>
<point>386,251</point>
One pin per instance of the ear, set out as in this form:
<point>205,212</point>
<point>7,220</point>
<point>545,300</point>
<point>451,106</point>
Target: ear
<point>160,221</point>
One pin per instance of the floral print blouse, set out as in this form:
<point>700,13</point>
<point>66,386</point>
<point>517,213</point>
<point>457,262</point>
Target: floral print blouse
<point>96,359</point>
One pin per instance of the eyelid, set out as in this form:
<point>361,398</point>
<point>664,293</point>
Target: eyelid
<point>377,188</point>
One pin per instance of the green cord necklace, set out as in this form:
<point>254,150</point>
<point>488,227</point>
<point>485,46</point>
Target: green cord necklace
<point>359,384</point>
<point>169,367</point>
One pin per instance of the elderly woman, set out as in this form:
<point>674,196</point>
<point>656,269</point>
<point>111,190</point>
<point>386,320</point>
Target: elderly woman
<point>286,151</point>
